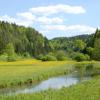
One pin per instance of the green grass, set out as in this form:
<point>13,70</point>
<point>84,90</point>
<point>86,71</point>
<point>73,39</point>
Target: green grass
<point>89,90</point>
<point>21,72</point>
<point>26,71</point>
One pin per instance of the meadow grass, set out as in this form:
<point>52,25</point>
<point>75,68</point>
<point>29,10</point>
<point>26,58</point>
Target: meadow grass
<point>30,71</point>
<point>89,90</point>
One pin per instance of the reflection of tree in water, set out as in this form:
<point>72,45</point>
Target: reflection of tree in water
<point>85,70</point>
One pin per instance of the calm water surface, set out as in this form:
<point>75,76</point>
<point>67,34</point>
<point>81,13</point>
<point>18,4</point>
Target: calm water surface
<point>53,83</point>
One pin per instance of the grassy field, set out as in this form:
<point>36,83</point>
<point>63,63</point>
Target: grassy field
<point>89,90</point>
<point>30,71</point>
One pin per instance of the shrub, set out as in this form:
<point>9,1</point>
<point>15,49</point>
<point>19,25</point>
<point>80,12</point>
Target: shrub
<point>81,57</point>
<point>26,54</point>
<point>11,58</point>
<point>60,55</point>
<point>3,57</point>
<point>51,58</point>
<point>40,57</point>
<point>48,57</point>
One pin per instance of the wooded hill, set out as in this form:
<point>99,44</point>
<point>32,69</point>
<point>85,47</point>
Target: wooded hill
<point>23,40</point>
<point>68,43</point>
<point>26,41</point>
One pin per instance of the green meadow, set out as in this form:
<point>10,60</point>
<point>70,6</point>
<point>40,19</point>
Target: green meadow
<point>30,71</point>
<point>19,73</point>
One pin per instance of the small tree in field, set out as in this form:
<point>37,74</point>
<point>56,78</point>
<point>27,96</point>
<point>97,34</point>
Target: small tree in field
<point>9,50</point>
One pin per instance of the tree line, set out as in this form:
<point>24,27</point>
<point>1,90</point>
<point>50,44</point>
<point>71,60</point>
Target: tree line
<point>22,40</point>
<point>28,42</point>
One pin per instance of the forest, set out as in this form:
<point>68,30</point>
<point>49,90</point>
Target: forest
<point>19,41</point>
<point>22,41</point>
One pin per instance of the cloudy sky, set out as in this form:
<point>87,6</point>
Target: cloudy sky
<point>53,18</point>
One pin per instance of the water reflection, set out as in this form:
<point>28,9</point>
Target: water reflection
<point>53,83</point>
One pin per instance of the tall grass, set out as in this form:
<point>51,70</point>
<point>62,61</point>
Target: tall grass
<point>88,68</point>
<point>29,71</point>
<point>89,90</point>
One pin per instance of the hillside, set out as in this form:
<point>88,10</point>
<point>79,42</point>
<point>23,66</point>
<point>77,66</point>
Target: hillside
<point>24,41</point>
<point>66,43</point>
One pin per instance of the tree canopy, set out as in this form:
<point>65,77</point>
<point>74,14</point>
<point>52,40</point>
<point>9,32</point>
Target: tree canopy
<point>22,39</point>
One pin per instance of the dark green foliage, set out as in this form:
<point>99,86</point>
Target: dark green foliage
<point>96,51</point>
<point>48,57</point>
<point>68,44</point>
<point>81,57</point>
<point>26,55</point>
<point>71,44</point>
<point>23,40</point>
<point>53,56</point>
<point>90,51</point>
<point>29,42</point>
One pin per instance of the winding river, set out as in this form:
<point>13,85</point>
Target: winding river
<point>51,83</point>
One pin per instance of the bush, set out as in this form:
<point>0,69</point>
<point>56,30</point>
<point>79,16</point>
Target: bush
<point>46,57</point>
<point>81,57</point>
<point>62,58</point>
<point>3,57</point>
<point>11,58</point>
<point>60,55</point>
<point>51,58</point>
<point>40,57</point>
<point>27,55</point>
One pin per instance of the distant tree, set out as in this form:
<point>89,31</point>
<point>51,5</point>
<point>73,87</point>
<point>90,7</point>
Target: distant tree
<point>79,45</point>
<point>90,50</point>
<point>96,52</point>
<point>9,50</point>
<point>97,34</point>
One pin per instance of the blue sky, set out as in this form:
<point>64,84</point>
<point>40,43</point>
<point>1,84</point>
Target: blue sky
<point>53,18</point>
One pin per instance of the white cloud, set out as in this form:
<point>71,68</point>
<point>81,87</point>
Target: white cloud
<point>7,18</point>
<point>28,19</point>
<point>72,28</point>
<point>37,15</point>
<point>26,15</point>
<point>48,24</point>
<point>18,21</point>
<point>60,8</point>
<point>46,20</point>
